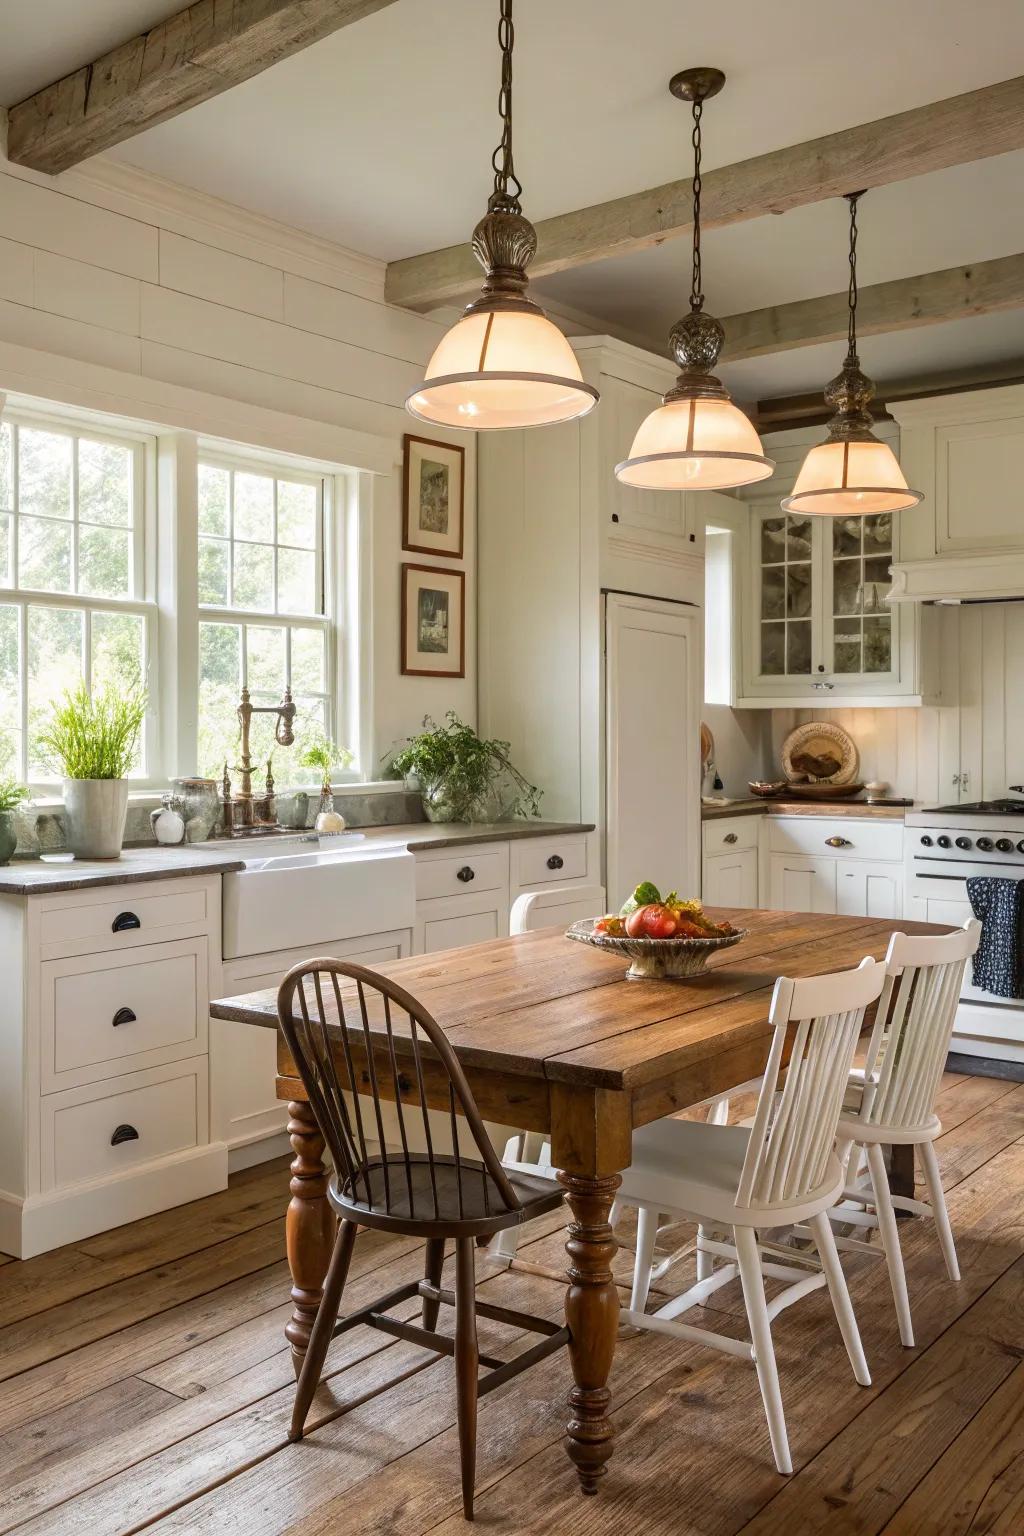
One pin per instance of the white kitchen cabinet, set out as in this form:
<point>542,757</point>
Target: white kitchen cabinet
<point>966,453</point>
<point>850,865</point>
<point>868,890</point>
<point>801,883</point>
<point>104,1090</point>
<point>816,624</point>
<point>559,536</point>
<point>246,1114</point>
<point>730,879</point>
<point>730,865</point>
<point>652,725</point>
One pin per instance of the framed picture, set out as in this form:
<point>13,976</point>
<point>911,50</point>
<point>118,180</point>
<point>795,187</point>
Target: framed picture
<point>433,621</point>
<point>432,497</point>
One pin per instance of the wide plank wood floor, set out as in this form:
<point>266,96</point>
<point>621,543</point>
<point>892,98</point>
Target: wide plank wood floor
<point>145,1386</point>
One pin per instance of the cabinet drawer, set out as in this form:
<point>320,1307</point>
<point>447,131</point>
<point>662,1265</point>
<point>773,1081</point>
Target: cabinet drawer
<point>88,1132</point>
<point>110,1013</point>
<point>731,834</point>
<point>468,869</point>
<point>860,838</point>
<point>120,917</point>
<point>551,858</point>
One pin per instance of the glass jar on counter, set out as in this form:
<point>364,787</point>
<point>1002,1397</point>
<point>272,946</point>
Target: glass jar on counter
<point>200,802</point>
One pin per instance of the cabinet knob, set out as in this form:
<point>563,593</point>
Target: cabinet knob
<point>838,842</point>
<point>125,920</point>
<point>123,1016</point>
<point>730,837</point>
<point>466,874</point>
<point>556,861</point>
<point>124,1133</point>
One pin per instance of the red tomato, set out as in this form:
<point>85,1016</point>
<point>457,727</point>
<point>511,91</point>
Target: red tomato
<point>651,922</point>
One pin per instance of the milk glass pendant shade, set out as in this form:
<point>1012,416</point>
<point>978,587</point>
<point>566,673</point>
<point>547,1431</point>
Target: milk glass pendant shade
<point>504,364</point>
<point>696,440</point>
<point>852,473</point>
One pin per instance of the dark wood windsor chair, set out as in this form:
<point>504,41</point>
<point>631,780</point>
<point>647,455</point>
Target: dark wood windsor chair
<point>341,1026</point>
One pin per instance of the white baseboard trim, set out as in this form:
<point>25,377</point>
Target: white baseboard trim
<point>40,1222</point>
<point>247,1154</point>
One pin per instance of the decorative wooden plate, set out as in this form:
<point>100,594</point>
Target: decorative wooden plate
<point>820,742</point>
<point>828,789</point>
<point>656,959</point>
<point>707,747</point>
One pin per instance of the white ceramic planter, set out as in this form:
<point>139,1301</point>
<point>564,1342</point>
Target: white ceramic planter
<point>95,812</point>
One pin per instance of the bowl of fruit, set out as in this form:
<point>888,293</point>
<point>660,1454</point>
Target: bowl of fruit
<point>665,940</point>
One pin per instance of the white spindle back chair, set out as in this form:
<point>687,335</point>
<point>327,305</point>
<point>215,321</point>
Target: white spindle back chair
<point>782,1169</point>
<point>894,1103</point>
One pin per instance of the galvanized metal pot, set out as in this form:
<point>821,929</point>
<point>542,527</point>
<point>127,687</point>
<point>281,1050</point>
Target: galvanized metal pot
<point>8,836</point>
<point>95,812</point>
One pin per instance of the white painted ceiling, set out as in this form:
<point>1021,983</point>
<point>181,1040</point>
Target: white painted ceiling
<point>380,138</point>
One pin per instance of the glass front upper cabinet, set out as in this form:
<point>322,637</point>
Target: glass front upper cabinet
<point>819,624</point>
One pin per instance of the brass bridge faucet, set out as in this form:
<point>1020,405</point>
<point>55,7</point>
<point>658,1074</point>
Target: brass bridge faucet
<point>283,735</point>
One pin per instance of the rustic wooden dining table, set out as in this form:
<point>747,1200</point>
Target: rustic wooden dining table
<point>553,1038</point>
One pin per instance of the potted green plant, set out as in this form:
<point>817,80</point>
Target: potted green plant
<point>461,776</point>
<point>11,796</point>
<point>322,754</point>
<point>92,739</point>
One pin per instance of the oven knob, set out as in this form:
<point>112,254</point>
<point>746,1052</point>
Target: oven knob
<point>1005,845</point>
<point>1020,846</point>
<point>964,843</point>
<point>944,841</point>
<point>926,842</point>
<point>985,844</point>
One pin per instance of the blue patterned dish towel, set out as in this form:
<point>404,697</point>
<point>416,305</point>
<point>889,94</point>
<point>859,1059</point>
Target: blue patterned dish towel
<point>999,963</point>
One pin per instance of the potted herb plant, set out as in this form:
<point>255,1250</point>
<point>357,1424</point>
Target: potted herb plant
<point>92,739</point>
<point>11,796</point>
<point>322,754</point>
<point>461,776</point>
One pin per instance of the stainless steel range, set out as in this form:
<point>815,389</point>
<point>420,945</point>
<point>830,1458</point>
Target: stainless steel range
<point>944,848</point>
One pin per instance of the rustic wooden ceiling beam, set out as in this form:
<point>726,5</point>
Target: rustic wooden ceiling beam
<point>197,53</point>
<point>900,305</point>
<point>974,126</point>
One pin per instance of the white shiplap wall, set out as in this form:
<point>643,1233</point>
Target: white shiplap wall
<point>977,729</point>
<point>141,280</point>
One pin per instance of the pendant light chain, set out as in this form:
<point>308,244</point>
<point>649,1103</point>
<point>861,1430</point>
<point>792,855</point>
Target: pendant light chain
<point>504,167</point>
<point>696,295</point>
<point>851,351</point>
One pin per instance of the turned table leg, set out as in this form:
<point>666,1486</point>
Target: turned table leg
<point>309,1227</point>
<point>592,1314</point>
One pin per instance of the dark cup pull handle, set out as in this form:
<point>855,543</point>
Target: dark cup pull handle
<point>731,837</point>
<point>123,1016</point>
<point>125,920</point>
<point>124,1133</point>
<point>556,861</point>
<point>466,874</point>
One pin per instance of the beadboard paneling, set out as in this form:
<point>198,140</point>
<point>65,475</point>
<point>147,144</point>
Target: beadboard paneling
<point>977,729</point>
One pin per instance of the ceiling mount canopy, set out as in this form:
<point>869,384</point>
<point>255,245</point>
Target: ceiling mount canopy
<point>504,364</point>
<point>696,439</point>
<point>852,473</point>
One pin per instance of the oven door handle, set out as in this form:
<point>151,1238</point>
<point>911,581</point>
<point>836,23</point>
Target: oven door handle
<point>921,875</point>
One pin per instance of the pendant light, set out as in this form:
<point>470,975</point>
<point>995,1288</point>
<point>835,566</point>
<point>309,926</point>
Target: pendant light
<point>852,473</point>
<point>504,364</point>
<point>697,439</point>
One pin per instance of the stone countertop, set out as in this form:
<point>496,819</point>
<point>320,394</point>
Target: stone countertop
<point>32,877</point>
<point>784,807</point>
<point>460,834</point>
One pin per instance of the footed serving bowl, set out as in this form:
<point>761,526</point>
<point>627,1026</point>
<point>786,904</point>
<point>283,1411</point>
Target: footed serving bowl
<point>656,959</point>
